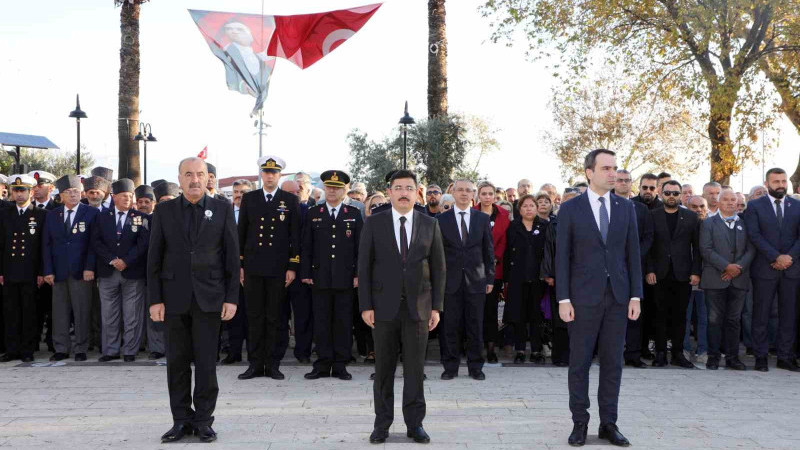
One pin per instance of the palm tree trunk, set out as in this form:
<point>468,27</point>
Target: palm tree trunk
<point>128,123</point>
<point>437,59</point>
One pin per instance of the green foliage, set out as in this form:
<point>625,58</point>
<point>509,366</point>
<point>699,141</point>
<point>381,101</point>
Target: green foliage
<point>57,162</point>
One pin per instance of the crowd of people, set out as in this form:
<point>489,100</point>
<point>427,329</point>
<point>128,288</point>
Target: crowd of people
<point>718,270</point>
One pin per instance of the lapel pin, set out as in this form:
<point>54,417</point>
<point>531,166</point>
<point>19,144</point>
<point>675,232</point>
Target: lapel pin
<point>209,214</point>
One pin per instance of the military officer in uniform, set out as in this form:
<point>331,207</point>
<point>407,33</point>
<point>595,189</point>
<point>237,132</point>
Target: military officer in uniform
<point>43,189</point>
<point>269,241</point>
<point>44,294</point>
<point>330,264</point>
<point>20,268</point>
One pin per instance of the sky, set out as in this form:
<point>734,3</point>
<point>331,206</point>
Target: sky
<point>50,54</point>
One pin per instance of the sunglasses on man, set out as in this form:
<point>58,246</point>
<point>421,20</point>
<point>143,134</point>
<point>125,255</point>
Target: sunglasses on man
<point>671,193</point>
<point>647,188</point>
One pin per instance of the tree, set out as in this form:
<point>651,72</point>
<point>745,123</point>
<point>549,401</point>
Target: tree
<point>649,134</point>
<point>437,59</point>
<point>705,50</point>
<point>128,96</point>
<point>57,162</point>
<point>370,161</point>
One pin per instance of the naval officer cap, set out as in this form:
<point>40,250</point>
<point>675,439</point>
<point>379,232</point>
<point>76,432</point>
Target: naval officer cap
<point>270,163</point>
<point>69,182</point>
<point>94,182</point>
<point>20,180</point>
<point>335,178</point>
<point>42,177</point>
<point>144,191</point>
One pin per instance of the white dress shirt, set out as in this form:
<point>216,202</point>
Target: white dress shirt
<point>36,204</point>
<point>117,218</point>
<point>236,213</point>
<point>106,203</point>
<point>330,207</point>
<point>409,226</point>
<point>71,216</point>
<point>272,193</point>
<point>458,219</point>
<point>782,202</point>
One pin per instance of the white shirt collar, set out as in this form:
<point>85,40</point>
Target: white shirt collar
<point>272,193</point>
<point>117,211</point>
<point>73,209</point>
<point>338,208</point>
<point>772,200</point>
<point>396,215</point>
<point>593,197</point>
<point>458,211</point>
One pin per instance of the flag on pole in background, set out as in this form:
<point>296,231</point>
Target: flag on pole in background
<point>203,154</point>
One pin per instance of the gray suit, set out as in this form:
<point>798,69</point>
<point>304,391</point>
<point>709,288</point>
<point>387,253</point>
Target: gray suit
<point>721,245</point>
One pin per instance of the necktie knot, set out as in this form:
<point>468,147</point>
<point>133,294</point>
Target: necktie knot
<point>40,205</point>
<point>601,199</point>
<point>269,197</point>
<point>402,220</point>
<point>777,201</point>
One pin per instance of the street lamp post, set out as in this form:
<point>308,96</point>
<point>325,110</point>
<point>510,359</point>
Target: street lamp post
<point>78,114</point>
<point>145,135</point>
<point>405,121</point>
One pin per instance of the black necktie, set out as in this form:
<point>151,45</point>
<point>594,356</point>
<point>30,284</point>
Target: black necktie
<point>333,213</point>
<point>119,224</point>
<point>779,212</point>
<point>269,198</point>
<point>68,222</point>
<point>21,212</point>
<point>403,239</point>
<point>464,231</point>
<point>40,205</point>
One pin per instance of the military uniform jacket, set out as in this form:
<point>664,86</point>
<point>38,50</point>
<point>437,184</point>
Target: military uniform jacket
<point>21,244</point>
<point>330,248</point>
<point>130,246</point>
<point>269,233</point>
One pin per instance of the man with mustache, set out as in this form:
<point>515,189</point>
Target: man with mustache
<point>773,226</point>
<point>648,192</point>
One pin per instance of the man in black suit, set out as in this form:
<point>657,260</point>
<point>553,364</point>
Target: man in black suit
<point>330,266</point>
<point>401,279</point>
<point>269,242</point>
<point>598,268</point>
<point>193,282</point>
<point>469,257</point>
<point>673,267</point>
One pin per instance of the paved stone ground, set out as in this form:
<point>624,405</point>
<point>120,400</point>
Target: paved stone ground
<point>87,406</point>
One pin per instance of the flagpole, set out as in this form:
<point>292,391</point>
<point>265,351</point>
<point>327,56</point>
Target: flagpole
<point>261,127</point>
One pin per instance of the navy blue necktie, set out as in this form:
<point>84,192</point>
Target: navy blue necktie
<point>603,219</point>
<point>119,224</point>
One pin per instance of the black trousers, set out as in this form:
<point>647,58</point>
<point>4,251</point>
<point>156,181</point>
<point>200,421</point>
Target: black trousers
<point>361,331</point>
<point>333,325</point>
<point>490,318</point>
<point>19,317</point>
<point>603,324</point>
<point>265,297</point>
<point>44,313</point>
<point>300,299</point>
<point>463,316</point>
<point>237,328</point>
<point>529,323</point>
<point>764,292</point>
<point>388,335</point>
<point>724,320</point>
<point>646,317</point>
<point>672,300</point>
<point>192,337</point>
<point>635,339</point>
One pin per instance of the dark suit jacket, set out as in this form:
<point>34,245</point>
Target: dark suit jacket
<point>330,248</point>
<point>771,241</point>
<point>718,251</point>
<point>131,247</point>
<point>21,244</point>
<point>66,253</point>
<point>207,270</point>
<point>644,223</point>
<point>382,276</point>
<point>269,234</point>
<point>474,263</point>
<point>681,251</point>
<point>584,262</point>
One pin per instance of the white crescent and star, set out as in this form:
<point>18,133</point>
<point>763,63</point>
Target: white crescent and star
<point>335,36</point>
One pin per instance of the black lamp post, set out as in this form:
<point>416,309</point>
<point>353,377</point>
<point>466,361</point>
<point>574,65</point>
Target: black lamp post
<point>78,114</point>
<point>405,121</point>
<point>146,135</point>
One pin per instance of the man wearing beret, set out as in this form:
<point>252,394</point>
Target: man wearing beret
<point>20,269</point>
<point>119,241</point>
<point>69,267</point>
<point>269,242</point>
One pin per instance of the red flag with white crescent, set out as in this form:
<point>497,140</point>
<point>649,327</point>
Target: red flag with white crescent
<point>203,154</point>
<point>306,38</point>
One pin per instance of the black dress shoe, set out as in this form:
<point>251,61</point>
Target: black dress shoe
<point>275,374</point>
<point>27,358</point>
<point>107,358</point>
<point>520,358</point>
<point>372,376</point>
<point>344,375</point>
<point>578,436</point>
<point>637,363</point>
<point>660,360</point>
<point>734,364</point>
<point>231,359</point>
<point>129,358</point>
<point>762,364</point>
<point>447,375</point>
<point>477,375</point>
<point>491,358</point>
<point>58,356</point>
<point>316,374</point>
<point>788,364</point>
<point>8,357</point>
<point>251,372</point>
<point>610,432</point>
<point>712,363</point>
<point>177,432</point>
<point>80,357</point>
<point>537,358</point>
<point>561,363</point>
<point>206,434</point>
<point>304,360</point>
<point>681,361</point>
<point>418,435</point>
<point>155,355</point>
<point>378,436</point>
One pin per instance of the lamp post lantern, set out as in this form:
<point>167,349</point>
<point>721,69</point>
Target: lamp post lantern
<point>78,114</point>
<point>405,121</point>
<point>145,135</point>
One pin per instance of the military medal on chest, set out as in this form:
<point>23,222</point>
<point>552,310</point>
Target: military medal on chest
<point>282,209</point>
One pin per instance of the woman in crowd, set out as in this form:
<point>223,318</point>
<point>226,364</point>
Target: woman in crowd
<point>447,202</point>
<point>522,261</point>
<point>373,202</point>
<point>499,223</point>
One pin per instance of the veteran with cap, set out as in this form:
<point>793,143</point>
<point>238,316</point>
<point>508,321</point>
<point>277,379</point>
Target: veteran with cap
<point>95,190</point>
<point>165,191</point>
<point>119,240</point>
<point>152,332</point>
<point>269,242</point>
<point>20,268</point>
<point>329,263</point>
<point>211,184</point>
<point>145,199</point>
<point>108,175</point>
<point>69,267</point>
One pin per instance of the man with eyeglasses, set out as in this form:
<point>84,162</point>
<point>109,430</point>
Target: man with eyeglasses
<point>673,267</point>
<point>433,197</point>
<point>648,195</point>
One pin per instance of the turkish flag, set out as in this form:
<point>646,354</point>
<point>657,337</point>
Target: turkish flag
<point>204,153</point>
<point>306,38</point>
